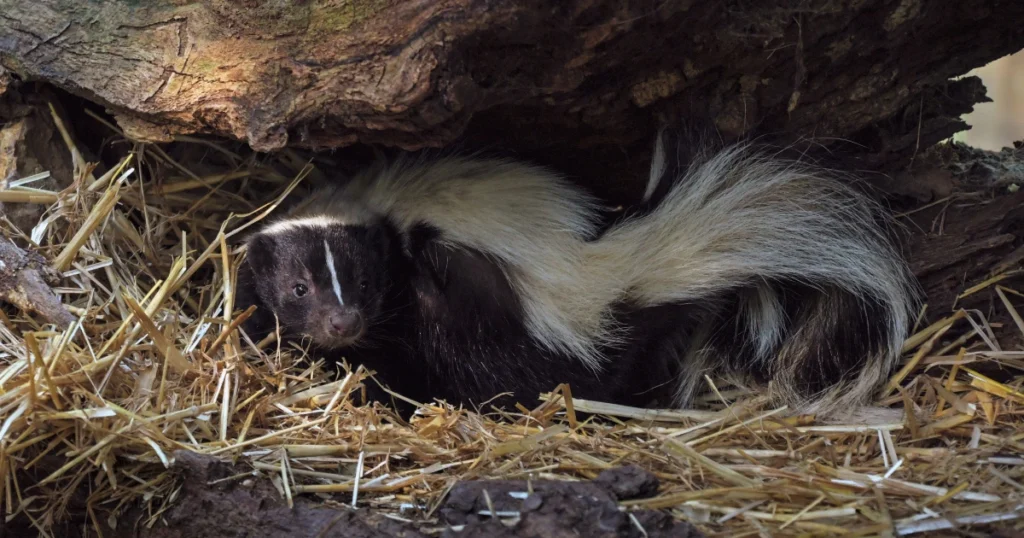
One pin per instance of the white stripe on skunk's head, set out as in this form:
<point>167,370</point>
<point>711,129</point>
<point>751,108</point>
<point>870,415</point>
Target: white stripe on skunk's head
<point>325,280</point>
<point>335,285</point>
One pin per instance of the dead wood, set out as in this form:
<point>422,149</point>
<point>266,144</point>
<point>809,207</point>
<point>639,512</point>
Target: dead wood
<point>580,73</point>
<point>25,280</point>
<point>974,229</point>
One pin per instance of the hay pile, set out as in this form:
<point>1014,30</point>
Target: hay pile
<point>154,363</point>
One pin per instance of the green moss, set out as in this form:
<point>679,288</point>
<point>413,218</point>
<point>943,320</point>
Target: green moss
<point>203,64</point>
<point>340,15</point>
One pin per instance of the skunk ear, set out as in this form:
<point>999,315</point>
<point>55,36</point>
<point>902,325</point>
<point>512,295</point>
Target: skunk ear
<point>260,255</point>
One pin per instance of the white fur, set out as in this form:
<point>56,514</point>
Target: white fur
<point>318,221</point>
<point>736,219</point>
<point>766,319</point>
<point>658,166</point>
<point>334,273</point>
<point>740,218</point>
<point>526,217</point>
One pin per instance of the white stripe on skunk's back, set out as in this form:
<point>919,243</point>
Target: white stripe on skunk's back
<point>530,219</point>
<point>736,220</point>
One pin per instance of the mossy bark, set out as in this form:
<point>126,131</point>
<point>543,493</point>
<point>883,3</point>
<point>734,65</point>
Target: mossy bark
<point>534,74</point>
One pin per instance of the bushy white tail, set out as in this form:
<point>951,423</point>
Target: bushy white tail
<point>744,224</point>
<point>802,286</point>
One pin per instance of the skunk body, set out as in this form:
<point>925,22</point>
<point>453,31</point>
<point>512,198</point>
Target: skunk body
<point>463,279</point>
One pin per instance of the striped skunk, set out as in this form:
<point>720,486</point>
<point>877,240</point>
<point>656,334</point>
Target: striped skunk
<point>464,279</point>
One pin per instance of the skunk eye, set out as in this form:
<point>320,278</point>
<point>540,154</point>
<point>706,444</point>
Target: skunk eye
<point>363,284</point>
<point>300,290</point>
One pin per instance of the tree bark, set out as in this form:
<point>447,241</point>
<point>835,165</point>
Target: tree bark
<point>25,280</point>
<point>536,74</point>
<point>973,231</point>
<point>542,77</point>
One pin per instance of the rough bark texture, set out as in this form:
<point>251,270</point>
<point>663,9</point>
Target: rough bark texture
<point>5,79</point>
<point>562,82</point>
<point>30,144</point>
<point>25,280</point>
<point>974,230</point>
<point>543,74</point>
<point>214,505</point>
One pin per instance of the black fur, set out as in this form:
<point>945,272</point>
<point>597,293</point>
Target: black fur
<point>369,260</point>
<point>844,329</point>
<point>443,322</point>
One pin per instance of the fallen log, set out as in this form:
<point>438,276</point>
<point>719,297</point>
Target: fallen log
<point>535,75</point>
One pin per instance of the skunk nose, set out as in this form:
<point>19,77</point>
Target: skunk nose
<point>347,323</point>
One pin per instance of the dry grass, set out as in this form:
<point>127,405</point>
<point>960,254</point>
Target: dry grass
<point>155,364</point>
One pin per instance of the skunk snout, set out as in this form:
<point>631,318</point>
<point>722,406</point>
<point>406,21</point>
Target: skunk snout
<point>346,323</point>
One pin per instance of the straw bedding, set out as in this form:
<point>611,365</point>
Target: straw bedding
<point>154,363</point>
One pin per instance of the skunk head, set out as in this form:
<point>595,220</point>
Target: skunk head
<point>324,279</point>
